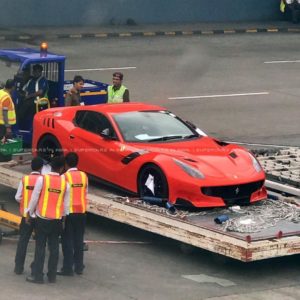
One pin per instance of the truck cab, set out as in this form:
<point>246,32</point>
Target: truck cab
<point>18,64</point>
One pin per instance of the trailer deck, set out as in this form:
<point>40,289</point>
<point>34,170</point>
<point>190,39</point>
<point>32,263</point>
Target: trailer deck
<point>195,228</point>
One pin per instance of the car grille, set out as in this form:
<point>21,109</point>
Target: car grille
<point>232,194</point>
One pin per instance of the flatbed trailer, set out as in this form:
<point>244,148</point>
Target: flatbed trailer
<point>196,229</point>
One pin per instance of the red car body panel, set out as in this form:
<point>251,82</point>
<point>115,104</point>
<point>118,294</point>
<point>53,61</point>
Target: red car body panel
<point>102,158</point>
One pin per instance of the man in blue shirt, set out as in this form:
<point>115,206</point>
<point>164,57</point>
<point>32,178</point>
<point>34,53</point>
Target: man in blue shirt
<point>34,89</point>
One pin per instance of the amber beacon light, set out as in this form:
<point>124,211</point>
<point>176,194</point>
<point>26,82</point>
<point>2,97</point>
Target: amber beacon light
<point>43,49</point>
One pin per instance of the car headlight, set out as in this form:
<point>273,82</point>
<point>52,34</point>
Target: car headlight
<point>255,163</point>
<point>289,1</point>
<point>189,169</point>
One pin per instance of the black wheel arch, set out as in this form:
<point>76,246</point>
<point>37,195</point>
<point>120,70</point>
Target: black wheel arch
<point>156,167</point>
<point>48,146</point>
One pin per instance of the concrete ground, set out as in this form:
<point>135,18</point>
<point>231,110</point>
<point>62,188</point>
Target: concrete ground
<point>156,268</point>
<point>127,263</point>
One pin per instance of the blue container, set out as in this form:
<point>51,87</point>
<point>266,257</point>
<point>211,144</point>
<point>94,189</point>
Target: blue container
<point>221,219</point>
<point>93,92</point>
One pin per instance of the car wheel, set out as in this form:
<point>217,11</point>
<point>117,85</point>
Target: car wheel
<point>152,182</point>
<point>48,146</point>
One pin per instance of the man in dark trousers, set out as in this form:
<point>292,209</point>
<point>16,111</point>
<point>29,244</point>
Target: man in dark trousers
<point>49,203</point>
<point>72,237</point>
<point>34,89</point>
<point>23,196</point>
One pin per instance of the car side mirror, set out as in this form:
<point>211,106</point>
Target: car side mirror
<point>106,134</point>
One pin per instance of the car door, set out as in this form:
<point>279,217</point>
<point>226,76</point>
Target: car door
<point>98,155</point>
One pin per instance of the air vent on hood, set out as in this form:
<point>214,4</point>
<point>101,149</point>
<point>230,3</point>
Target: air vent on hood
<point>189,159</point>
<point>233,155</point>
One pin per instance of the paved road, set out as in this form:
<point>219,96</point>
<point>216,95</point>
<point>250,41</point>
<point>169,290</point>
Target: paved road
<point>168,68</point>
<point>220,69</point>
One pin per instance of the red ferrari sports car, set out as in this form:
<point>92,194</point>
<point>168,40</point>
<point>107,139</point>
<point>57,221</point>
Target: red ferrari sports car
<point>149,151</point>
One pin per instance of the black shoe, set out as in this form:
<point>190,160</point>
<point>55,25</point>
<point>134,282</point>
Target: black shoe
<point>65,273</point>
<point>79,269</point>
<point>51,279</point>
<point>33,280</point>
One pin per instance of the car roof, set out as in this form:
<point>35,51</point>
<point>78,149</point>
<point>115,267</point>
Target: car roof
<point>121,107</point>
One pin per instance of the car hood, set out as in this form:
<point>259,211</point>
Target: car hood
<point>212,158</point>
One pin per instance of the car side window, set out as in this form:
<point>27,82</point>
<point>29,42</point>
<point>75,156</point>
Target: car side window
<point>93,121</point>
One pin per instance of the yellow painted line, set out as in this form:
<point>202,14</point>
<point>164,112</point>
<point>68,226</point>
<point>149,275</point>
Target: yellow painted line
<point>125,34</point>
<point>187,32</point>
<point>93,93</point>
<point>293,29</point>
<point>251,30</point>
<point>100,34</point>
<point>149,33</point>
<point>170,33</point>
<point>229,31</point>
<point>207,32</point>
<point>75,36</point>
<point>272,30</point>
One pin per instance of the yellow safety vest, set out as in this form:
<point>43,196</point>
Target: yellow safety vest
<point>50,204</point>
<point>115,96</point>
<point>78,183</point>
<point>282,6</point>
<point>11,114</point>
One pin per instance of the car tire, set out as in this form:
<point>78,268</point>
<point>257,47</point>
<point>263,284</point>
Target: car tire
<point>48,146</point>
<point>160,187</point>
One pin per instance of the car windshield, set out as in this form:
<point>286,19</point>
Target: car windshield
<point>152,126</point>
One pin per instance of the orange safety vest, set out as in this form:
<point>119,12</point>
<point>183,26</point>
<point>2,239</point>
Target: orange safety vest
<point>28,182</point>
<point>50,204</point>
<point>11,114</point>
<point>78,184</point>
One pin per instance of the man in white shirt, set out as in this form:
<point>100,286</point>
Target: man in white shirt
<point>49,203</point>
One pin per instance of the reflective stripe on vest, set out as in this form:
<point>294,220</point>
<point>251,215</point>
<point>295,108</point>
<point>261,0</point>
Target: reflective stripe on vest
<point>78,183</point>
<point>117,95</point>
<point>51,197</point>
<point>28,182</point>
<point>11,114</point>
